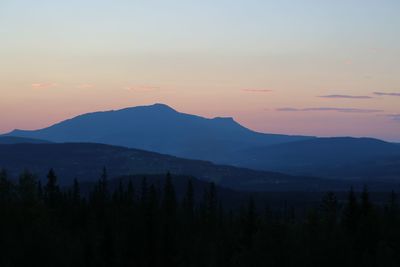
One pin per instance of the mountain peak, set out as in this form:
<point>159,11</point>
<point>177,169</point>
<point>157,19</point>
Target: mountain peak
<point>161,106</point>
<point>227,121</point>
<point>160,128</point>
<point>152,107</point>
<point>224,119</point>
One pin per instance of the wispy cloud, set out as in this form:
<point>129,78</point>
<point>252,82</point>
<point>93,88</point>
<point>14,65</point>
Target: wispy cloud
<point>347,96</point>
<point>345,110</point>
<point>386,94</point>
<point>43,85</point>
<point>250,90</point>
<point>348,62</point>
<point>395,117</point>
<point>84,86</point>
<point>141,88</point>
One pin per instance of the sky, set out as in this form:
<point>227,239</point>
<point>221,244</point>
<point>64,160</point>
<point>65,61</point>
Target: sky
<point>315,67</point>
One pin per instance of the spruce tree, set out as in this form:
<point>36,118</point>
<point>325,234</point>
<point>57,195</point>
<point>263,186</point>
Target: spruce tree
<point>130,194</point>
<point>104,184</point>
<point>51,190</point>
<point>351,213</point>
<point>366,205</point>
<point>169,223</point>
<point>169,201</point>
<point>76,192</point>
<point>188,202</point>
<point>249,223</point>
<point>5,187</point>
<point>329,209</point>
<point>27,188</point>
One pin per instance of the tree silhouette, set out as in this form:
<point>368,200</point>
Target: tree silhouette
<point>51,190</point>
<point>329,209</point>
<point>188,203</point>
<point>27,188</point>
<point>5,187</point>
<point>76,192</point>
<point>169,223</point>
<point>351,213</point>
<point>170,227</point>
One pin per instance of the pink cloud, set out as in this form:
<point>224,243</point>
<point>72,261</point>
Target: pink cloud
<point>348,62</point>
<point>43,85</point>
<point>85,86</point>
<point>250,90</point>
<point>141,88</point>
<point>386,94</point>
<point>347,96</point>
<point>345,110</point>
<point>395,117</point>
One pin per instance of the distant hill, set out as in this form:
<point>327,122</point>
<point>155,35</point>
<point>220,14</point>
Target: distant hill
<point>338,156</point>
<point>159,128</point>
<point>20,140</point>
<point>85,161</point>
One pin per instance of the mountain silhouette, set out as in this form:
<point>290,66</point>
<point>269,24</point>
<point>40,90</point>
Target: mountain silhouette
<point>161,129</point>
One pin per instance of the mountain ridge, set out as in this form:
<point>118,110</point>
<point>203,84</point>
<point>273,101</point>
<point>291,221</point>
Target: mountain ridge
<point>159,128</point>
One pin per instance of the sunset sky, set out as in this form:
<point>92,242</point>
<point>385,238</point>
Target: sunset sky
<point>315,67</point>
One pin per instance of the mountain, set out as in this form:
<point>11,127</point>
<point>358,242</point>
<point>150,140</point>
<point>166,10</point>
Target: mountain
<point>86,160</point>
<point>20,140</point>
<point>333,157</point>
<point>162,129</point>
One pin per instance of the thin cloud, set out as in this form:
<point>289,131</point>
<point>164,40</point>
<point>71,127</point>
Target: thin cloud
<point>386,94</point>
<point>145,88</point>
<point>256,90</point>
<point>347,96</point>
<point>348,62</point>
<point>85,86</point>
<point>289,109</point>
<point>43,85</point>
<point>345,110</point>
<point>395,117</point>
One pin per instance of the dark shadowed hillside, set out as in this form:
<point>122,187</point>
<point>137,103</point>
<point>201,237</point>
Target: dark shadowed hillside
<point>85,161</point>
<point>20,140</point>
<point>336,157</point>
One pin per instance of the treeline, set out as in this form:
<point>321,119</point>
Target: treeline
<point>43,225</point>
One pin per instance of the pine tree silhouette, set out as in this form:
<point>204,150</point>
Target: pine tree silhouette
<point>329,209</point>
<point>351,213</point>
<point>52,193</point>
